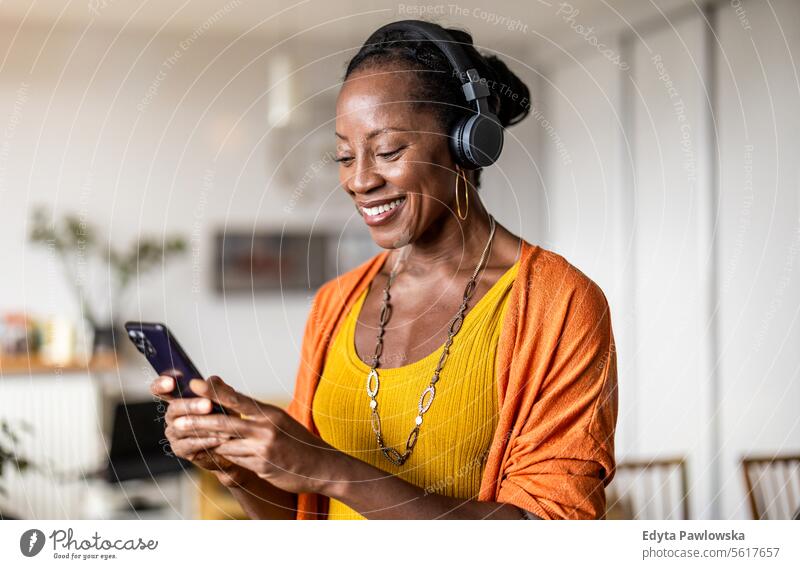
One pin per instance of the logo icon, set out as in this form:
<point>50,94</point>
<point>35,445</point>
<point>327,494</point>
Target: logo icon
<point>31,542</point>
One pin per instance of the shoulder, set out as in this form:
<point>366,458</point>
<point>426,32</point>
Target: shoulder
<point>547,274</point>
<point>551,285</point>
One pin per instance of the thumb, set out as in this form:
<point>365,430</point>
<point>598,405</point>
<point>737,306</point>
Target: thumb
<point>220,392</point>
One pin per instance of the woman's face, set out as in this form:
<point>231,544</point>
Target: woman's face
<point>394,159</point>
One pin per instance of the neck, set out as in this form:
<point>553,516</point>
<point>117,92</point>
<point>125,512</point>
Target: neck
<point>450,243</point>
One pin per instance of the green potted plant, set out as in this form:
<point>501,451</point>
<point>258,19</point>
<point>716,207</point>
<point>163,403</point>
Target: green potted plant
<point>76,245</point>
<point>9,441</point>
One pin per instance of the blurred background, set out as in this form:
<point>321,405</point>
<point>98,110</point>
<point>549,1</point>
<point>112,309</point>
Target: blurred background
<point>171,161</point>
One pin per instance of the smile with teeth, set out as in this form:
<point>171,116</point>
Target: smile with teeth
<point>379,209</point>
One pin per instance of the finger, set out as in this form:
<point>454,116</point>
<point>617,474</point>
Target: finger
<point>214,423</point>
<point>210,456</point>
<point>219,391</point>
<point>239,447</point>
<point>162,387</point>
<point>187,406</point>
<point>253,464</point>
<point>192,446</point>
<point>176,433</point>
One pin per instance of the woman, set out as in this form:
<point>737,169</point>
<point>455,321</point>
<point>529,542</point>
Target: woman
<point>460,373</point>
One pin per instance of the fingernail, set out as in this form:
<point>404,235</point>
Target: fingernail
<point>202,405</point>
<point>166,382</point>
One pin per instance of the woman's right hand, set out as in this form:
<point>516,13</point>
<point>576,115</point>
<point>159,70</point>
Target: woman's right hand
<point>198,450</point>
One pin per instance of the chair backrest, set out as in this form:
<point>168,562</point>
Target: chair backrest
<point>773,486</point>
<point>649,490</point>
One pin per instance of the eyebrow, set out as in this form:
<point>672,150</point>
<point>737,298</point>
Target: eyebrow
<point>376,132</point>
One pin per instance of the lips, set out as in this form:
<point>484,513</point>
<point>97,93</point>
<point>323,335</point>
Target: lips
<point>380,211</point>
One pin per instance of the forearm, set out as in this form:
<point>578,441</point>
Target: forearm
<point>262,501</point>
<point>376,494</point>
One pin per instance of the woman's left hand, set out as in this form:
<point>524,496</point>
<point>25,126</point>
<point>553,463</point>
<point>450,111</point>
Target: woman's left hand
<point>266,439</point>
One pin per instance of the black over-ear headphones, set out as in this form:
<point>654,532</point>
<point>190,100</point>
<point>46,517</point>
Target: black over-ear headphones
<point>477,139</point>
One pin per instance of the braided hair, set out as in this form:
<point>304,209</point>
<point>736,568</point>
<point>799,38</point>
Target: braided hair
<point>437,85</point>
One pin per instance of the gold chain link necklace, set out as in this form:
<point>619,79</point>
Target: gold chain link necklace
<point>426,399</point>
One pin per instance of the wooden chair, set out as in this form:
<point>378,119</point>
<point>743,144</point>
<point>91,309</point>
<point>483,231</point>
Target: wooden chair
<point>649,490</point>
<point>773,486</point>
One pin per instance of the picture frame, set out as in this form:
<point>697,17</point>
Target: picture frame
<point>268,261</point>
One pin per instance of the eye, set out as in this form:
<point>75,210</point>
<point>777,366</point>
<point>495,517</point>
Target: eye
<point>344,160</point>
<point>391,153</point>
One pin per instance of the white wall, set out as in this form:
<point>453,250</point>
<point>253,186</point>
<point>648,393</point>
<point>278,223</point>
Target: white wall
<point>192,161</point>
<point>705,315</point>
<point>107,127</point>
<point>673,252</point>
<point>760,237</point>
<point>580,133</point>
<point>619,204</point>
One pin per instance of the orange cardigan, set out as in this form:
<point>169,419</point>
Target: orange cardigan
<point>556,373</point>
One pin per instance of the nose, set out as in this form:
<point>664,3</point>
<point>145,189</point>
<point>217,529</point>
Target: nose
<point>365,178</point>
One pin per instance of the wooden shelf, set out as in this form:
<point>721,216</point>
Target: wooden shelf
<point>32,364</point>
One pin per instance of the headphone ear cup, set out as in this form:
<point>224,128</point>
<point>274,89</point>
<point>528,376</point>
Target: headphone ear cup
<point>482,140</point>
<point>457,142</point>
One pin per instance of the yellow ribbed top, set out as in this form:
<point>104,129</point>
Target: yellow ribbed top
<point>458,428</point>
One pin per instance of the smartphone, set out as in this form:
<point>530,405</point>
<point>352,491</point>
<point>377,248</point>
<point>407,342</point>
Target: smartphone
<point>165,354</point>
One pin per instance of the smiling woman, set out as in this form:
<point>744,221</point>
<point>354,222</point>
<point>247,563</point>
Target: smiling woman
<point>462,372</point>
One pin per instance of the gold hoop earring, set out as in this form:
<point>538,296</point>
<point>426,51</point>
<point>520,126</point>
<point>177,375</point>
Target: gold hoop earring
<point>461,174</point>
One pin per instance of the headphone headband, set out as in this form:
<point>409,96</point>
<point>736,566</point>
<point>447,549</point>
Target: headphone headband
<point>477,140</point>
